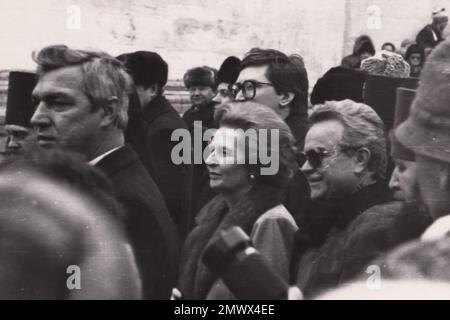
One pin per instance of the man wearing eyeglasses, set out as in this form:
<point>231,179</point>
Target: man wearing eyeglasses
<point>353,217</point>
<point>278,81</point>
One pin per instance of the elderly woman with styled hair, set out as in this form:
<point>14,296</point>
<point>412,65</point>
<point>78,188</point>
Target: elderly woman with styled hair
<point>250,190</point>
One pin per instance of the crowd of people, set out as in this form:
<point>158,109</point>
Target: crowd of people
<point>88,179</point>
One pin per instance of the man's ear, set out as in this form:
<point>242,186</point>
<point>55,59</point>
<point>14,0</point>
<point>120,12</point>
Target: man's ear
<point>361,159</point>
<point>286,98</point>
<point>153,90</point>
<point>109,112</point>
<point>444,177</point>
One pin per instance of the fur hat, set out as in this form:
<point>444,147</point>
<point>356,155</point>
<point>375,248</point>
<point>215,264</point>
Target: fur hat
<point>201,76</point>
<point>338,84</point>
<point>146,68</point>
<point>427,130</point>
<point>229,70</point>
<point>387,64</point>
<point>380,93</point>
<point>403,103</point>
<point>19,106</point>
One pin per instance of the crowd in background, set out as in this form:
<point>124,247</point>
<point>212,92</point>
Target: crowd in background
<point>88,177</point>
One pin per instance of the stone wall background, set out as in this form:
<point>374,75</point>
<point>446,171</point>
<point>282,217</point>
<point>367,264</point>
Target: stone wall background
<point>203,32</point>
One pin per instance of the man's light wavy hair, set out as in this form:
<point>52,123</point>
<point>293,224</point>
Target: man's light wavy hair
<point>362,128</point>
<point>104,76</point>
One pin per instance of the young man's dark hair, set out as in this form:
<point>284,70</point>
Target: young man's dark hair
<point>146,68</point>
<point>286,73</point>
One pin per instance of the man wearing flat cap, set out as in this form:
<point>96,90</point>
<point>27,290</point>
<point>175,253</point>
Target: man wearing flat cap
<point>149,72</point>
<point>431,34</point>
<point>19,110</point>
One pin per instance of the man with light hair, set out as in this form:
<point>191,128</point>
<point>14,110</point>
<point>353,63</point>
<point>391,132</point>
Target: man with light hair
<point>81,105</point>
<point>353,217</point>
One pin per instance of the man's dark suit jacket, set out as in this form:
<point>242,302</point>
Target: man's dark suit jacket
<point>150,229</point>
<point>174,181</point>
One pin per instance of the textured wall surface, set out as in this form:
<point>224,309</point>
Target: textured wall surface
<point>195,32</point>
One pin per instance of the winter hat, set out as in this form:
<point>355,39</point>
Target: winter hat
<point>338,84</point>
<point>146,68</point>
<point>403,103</point>
<point>439,15</point>
<point>385,63</point>
<point>19,106</point>
<point>229,70</point>
<point>427,130</point>
<point>201,76</point>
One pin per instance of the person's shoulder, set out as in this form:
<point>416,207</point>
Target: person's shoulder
<point>379,215</point>
<point>376,224</point>
<point>278,214</point>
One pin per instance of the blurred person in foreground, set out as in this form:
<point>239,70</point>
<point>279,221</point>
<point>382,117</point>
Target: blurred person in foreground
<point>82,100</point>
<point>248,197</point>
<point>425,132</point>
<point>58,214</point>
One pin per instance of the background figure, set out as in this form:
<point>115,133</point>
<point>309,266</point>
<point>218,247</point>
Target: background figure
<point>338,84</point>
<point>385,73</point>
<point>404,177</point>
<point>431,35</point>
<point>415,56</point>
<point>202,85</point>
<point>19,110</point>
<point>388,46</point>
<point>57,213</point>
<point>247,198</point>
<point>149,72</point>
<point>227,75</point>
<point>362,49</point>
<point>404,46</point>
<point>82,99</point>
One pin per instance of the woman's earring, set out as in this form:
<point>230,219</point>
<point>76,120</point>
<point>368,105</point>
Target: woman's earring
<point>252,176</point>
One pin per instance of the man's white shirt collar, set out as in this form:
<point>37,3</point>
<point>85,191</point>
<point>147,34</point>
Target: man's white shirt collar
<point>94,161</point>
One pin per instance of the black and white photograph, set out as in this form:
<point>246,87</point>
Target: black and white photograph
<point>246,152</point>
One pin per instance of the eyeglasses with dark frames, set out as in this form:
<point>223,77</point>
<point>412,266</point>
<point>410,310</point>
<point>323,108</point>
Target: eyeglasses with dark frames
<point>248,88</point>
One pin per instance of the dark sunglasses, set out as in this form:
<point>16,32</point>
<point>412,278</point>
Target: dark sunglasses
<point>248,88</point>
<point>314,157</point>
